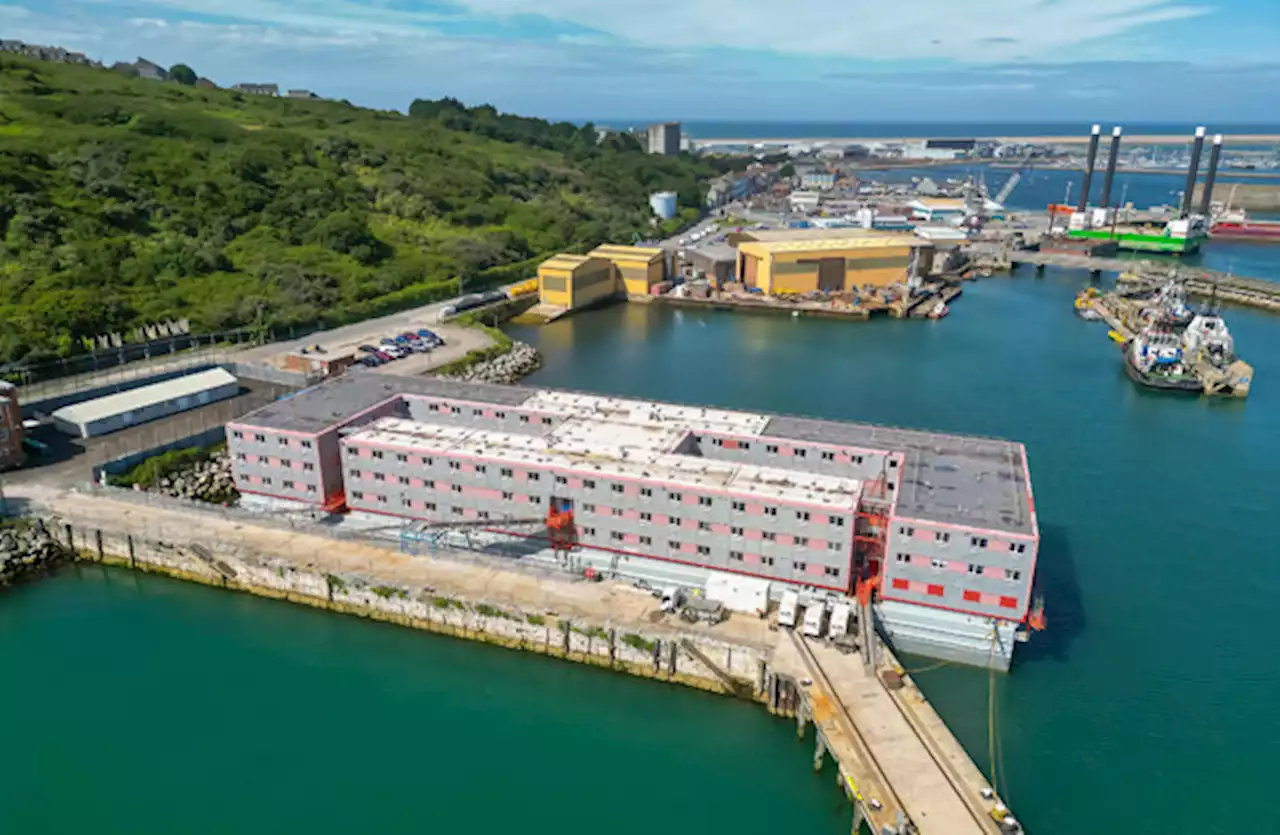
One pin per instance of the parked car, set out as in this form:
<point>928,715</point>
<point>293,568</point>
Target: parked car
<point>383,357</point>
<point>367,349</point>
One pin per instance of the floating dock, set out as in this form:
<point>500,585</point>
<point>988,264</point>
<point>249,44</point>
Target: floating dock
<point>897,761</point>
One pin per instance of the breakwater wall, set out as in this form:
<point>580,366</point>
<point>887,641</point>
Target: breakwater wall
<point>691,659</point>
<point>27,551</point>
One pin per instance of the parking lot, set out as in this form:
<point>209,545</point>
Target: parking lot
<point>348,339</point>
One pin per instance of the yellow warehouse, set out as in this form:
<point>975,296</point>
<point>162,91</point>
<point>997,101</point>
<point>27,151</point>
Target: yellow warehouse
<point>833,264</point>
<point>574,281</point>
<point>639,267</point>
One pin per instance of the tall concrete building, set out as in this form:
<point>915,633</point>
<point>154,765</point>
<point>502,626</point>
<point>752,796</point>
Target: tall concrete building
<point>945,526</point>
<point>664,138</point>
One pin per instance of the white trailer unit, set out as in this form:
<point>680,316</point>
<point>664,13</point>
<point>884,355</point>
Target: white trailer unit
<point>815,619</point>
<point>739,594</point>
<point>788,609</point>
<point>128,408</point>
<point>840,616</point>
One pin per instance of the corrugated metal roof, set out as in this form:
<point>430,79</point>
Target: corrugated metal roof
<point>139,398</point>
<point>881,241</point>
<point>631,253</point>
<point>564,261</point>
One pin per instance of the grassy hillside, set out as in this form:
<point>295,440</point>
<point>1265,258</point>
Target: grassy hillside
<point>125,201</point>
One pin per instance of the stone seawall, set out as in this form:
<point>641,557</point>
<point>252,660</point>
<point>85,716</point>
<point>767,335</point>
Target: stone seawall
<point>26,551</point>
<point>694,660</point>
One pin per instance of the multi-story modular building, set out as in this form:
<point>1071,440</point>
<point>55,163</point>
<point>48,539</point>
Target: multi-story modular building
<point>943,525</point>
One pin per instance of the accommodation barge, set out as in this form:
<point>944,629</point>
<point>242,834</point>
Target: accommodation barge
<point>943,527</point>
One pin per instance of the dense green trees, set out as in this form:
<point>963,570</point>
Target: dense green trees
<point>124,201</point>
<point>183,74</point>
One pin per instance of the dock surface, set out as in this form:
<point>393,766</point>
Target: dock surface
<point>895,756</point>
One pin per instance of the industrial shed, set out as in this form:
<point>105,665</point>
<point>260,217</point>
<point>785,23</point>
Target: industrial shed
<point>127,408</point>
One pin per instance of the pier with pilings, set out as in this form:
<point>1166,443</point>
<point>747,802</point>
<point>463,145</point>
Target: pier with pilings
<point>899,765</point>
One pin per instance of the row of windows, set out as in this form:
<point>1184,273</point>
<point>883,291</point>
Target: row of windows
<point>500,415</point>
<point>973,568</point>
<point>589,484</point>
<point>798,452</point>
<point>284,462</point>
<point>286,484</point>
<point>974,541</point>
<point>970,596</point>
<point>262,439</point>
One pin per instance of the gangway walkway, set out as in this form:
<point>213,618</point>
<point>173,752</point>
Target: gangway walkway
<point>903,778</point>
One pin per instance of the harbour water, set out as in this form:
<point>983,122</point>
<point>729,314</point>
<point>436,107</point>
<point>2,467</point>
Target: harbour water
<point>1148,706</point>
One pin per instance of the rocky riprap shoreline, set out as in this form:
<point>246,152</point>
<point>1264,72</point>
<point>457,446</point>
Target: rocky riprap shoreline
<point>208,481</point>
<point>522,359</point>
<point>28,551</point>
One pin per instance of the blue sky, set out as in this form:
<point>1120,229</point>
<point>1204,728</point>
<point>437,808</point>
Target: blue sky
<point>832,60</point>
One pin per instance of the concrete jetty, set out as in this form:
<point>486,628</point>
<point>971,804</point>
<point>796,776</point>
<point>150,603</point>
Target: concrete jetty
<point>898,763</point>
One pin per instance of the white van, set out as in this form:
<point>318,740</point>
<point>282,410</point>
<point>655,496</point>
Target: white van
<point>788,609</point>
<point>815,619</point>
<point>840,616</point>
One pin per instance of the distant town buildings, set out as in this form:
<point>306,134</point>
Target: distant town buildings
<point>257,89</point>
<point>47,53</point>
<point>150,71</point>
<point>664,138</point>
<point>730,187</point>
<point>821,180</point>
<point>940,149</point>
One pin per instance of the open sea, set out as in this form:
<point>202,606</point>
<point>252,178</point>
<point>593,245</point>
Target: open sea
<point>138,704</point>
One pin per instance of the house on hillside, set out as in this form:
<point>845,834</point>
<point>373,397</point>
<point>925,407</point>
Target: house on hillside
<point>302,94</point>
<point>205,84</point>
<point>150,71</point>
<point>257,89</point>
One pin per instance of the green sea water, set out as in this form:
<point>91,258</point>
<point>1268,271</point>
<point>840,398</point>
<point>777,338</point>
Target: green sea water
<point>136,704</point>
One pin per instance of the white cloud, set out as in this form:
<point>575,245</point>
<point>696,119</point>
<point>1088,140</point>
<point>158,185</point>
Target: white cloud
<point>979,31</point>
<point>976,31</point>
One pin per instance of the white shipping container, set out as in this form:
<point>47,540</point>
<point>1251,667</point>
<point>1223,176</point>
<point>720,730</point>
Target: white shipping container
<point>788,609</point>
<point>739,594</point>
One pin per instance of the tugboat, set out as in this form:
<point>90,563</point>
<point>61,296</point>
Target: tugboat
<point>1154,358</point>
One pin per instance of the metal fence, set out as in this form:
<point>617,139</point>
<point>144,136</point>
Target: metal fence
<point>304,522</point>
<point>176,432</point>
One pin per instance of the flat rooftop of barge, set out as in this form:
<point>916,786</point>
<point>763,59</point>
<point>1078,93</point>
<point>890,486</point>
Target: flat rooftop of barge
<point>956,479</point>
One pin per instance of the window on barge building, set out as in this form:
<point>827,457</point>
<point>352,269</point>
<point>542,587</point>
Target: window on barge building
<point>357,495</point>
<point>978,541</point>
<point>770,511</point>
<point>1012,574</point>
<point>800,452</point>
<point>647,492</point>
<point>802,541</point>
<point>704,550</point>
<point>288,485</point>
<point>377,453</point>
<point>828,456</point>
<point>838,521</point>
<point>455,510</point>
<point>1018,547</point>
<point>772,449</point>
<point>832,571</point>
<point>309,467</point>
<point>646,517</point>
<point>306,445</point>
<point>616,536</point>
<point>905,531</point>
<point>505,472</point>
<point>802,515</point>
<point>431,506</point>
<point>646,540</point>
<point>704,526</point>
<point>260,438</point>
<point>506,497</point>
<point>736,556</point>
<point>236,433</point>
<point>402,458</point>
<point>902,557</point>
<point>673,545</point>
<point>736,531</point>
<point>675,497</point>
<point>454,465</point>
<point>589,531</point>
<point>941,536</point>
<point>282,441</point>
<point>617,488</point>
<point>589,483</point>
<point>705,501</point>
<point>739,506</point>
<point>481,468</point>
